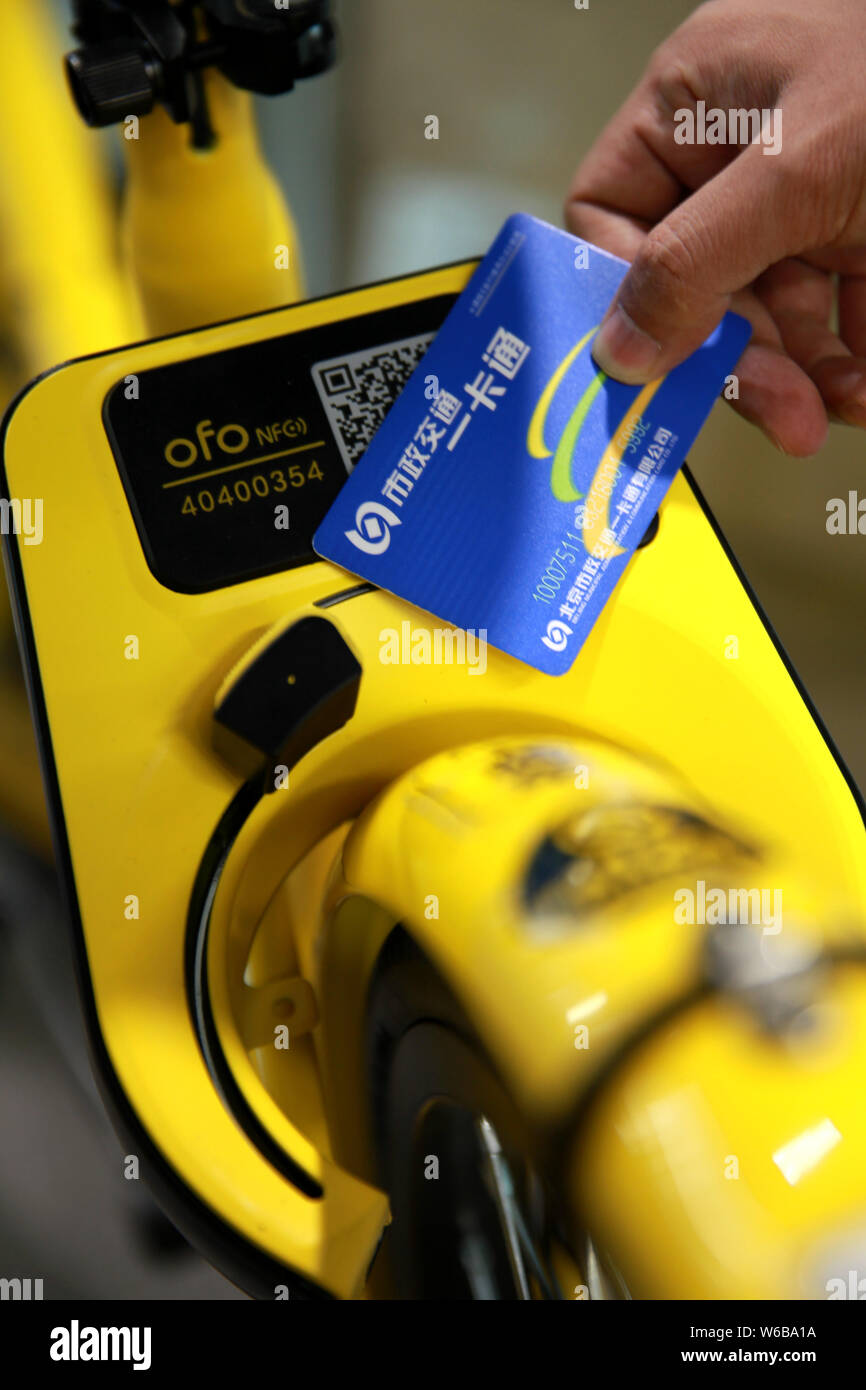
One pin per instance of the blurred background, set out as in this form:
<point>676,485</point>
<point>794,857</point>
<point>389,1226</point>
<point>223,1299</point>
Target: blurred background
<point>520,92</point>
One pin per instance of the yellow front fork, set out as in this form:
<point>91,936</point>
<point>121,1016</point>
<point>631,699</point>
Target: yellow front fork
<point>207,234</point>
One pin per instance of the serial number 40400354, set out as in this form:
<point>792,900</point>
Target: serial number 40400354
<point>275,480</point>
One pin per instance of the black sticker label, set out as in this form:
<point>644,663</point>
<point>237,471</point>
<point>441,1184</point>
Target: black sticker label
<point>230,461</point>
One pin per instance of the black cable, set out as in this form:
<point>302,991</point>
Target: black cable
<point>201,902</point>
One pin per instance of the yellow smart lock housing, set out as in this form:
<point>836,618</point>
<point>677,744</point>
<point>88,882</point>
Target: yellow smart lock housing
<point>215,722</point>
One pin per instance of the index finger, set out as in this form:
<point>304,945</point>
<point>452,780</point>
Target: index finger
<point>637,172</point>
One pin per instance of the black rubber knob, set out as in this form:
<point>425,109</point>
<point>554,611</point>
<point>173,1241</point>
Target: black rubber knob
<point>110,81</point>
<point>302,687</point>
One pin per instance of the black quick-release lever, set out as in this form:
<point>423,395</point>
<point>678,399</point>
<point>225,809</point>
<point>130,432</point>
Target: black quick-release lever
<point>299,688</point>
<point>135,54</point>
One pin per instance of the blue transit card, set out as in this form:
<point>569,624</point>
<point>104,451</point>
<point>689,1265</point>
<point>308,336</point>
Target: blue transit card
<point>511,481</point>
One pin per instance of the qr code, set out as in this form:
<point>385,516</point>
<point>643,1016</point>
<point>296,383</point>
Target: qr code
<point>359,389</point>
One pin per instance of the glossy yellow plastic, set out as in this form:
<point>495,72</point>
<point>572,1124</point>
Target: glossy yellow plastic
<point>59,266</point>
<point>726,1163</point>
<point>724,1160</point>
<point>207,234</point>
<point>203,235</point>
<point>62,293</point>
<point>142,790</point>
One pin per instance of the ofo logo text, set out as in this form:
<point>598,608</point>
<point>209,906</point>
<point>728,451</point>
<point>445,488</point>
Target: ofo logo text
<point>22,517</point>
<point>439,646</point>
<point>372,532</point>
<point>736,126</point>
<point>229,439</point>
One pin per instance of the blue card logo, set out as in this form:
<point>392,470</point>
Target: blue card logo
<point>512,498</point>
<point>372,530</point>
<point>557,635</point>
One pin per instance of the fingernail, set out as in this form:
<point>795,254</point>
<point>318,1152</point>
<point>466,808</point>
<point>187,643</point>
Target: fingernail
<point>775,441</point>
<point>624,351</point>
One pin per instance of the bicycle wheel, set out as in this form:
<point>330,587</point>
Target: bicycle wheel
<point>470,1217</point>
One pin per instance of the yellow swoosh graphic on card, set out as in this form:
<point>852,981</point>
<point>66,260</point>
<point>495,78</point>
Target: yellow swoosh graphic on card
<point>535,435</point>
<point>560,474</point>
<point>597,516</point>
<point>597,513</point>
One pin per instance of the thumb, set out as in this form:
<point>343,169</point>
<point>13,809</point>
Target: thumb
<point>680,283</point>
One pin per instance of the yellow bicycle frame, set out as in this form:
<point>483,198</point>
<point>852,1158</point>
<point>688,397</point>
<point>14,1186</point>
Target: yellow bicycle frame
<point>261,1158</point>
<point>202,236</point>
<point>138,792</point>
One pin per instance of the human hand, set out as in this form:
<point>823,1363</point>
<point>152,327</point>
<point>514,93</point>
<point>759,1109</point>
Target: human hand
<point>710,227</point>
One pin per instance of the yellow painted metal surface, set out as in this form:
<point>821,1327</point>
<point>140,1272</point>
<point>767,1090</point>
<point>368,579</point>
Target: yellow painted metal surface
<point>654,704</point>
<point>207,234</point>
<point>203,236</point>
<point>63,286</point>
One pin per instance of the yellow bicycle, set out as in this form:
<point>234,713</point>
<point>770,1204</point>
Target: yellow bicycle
<point>403,981</point>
